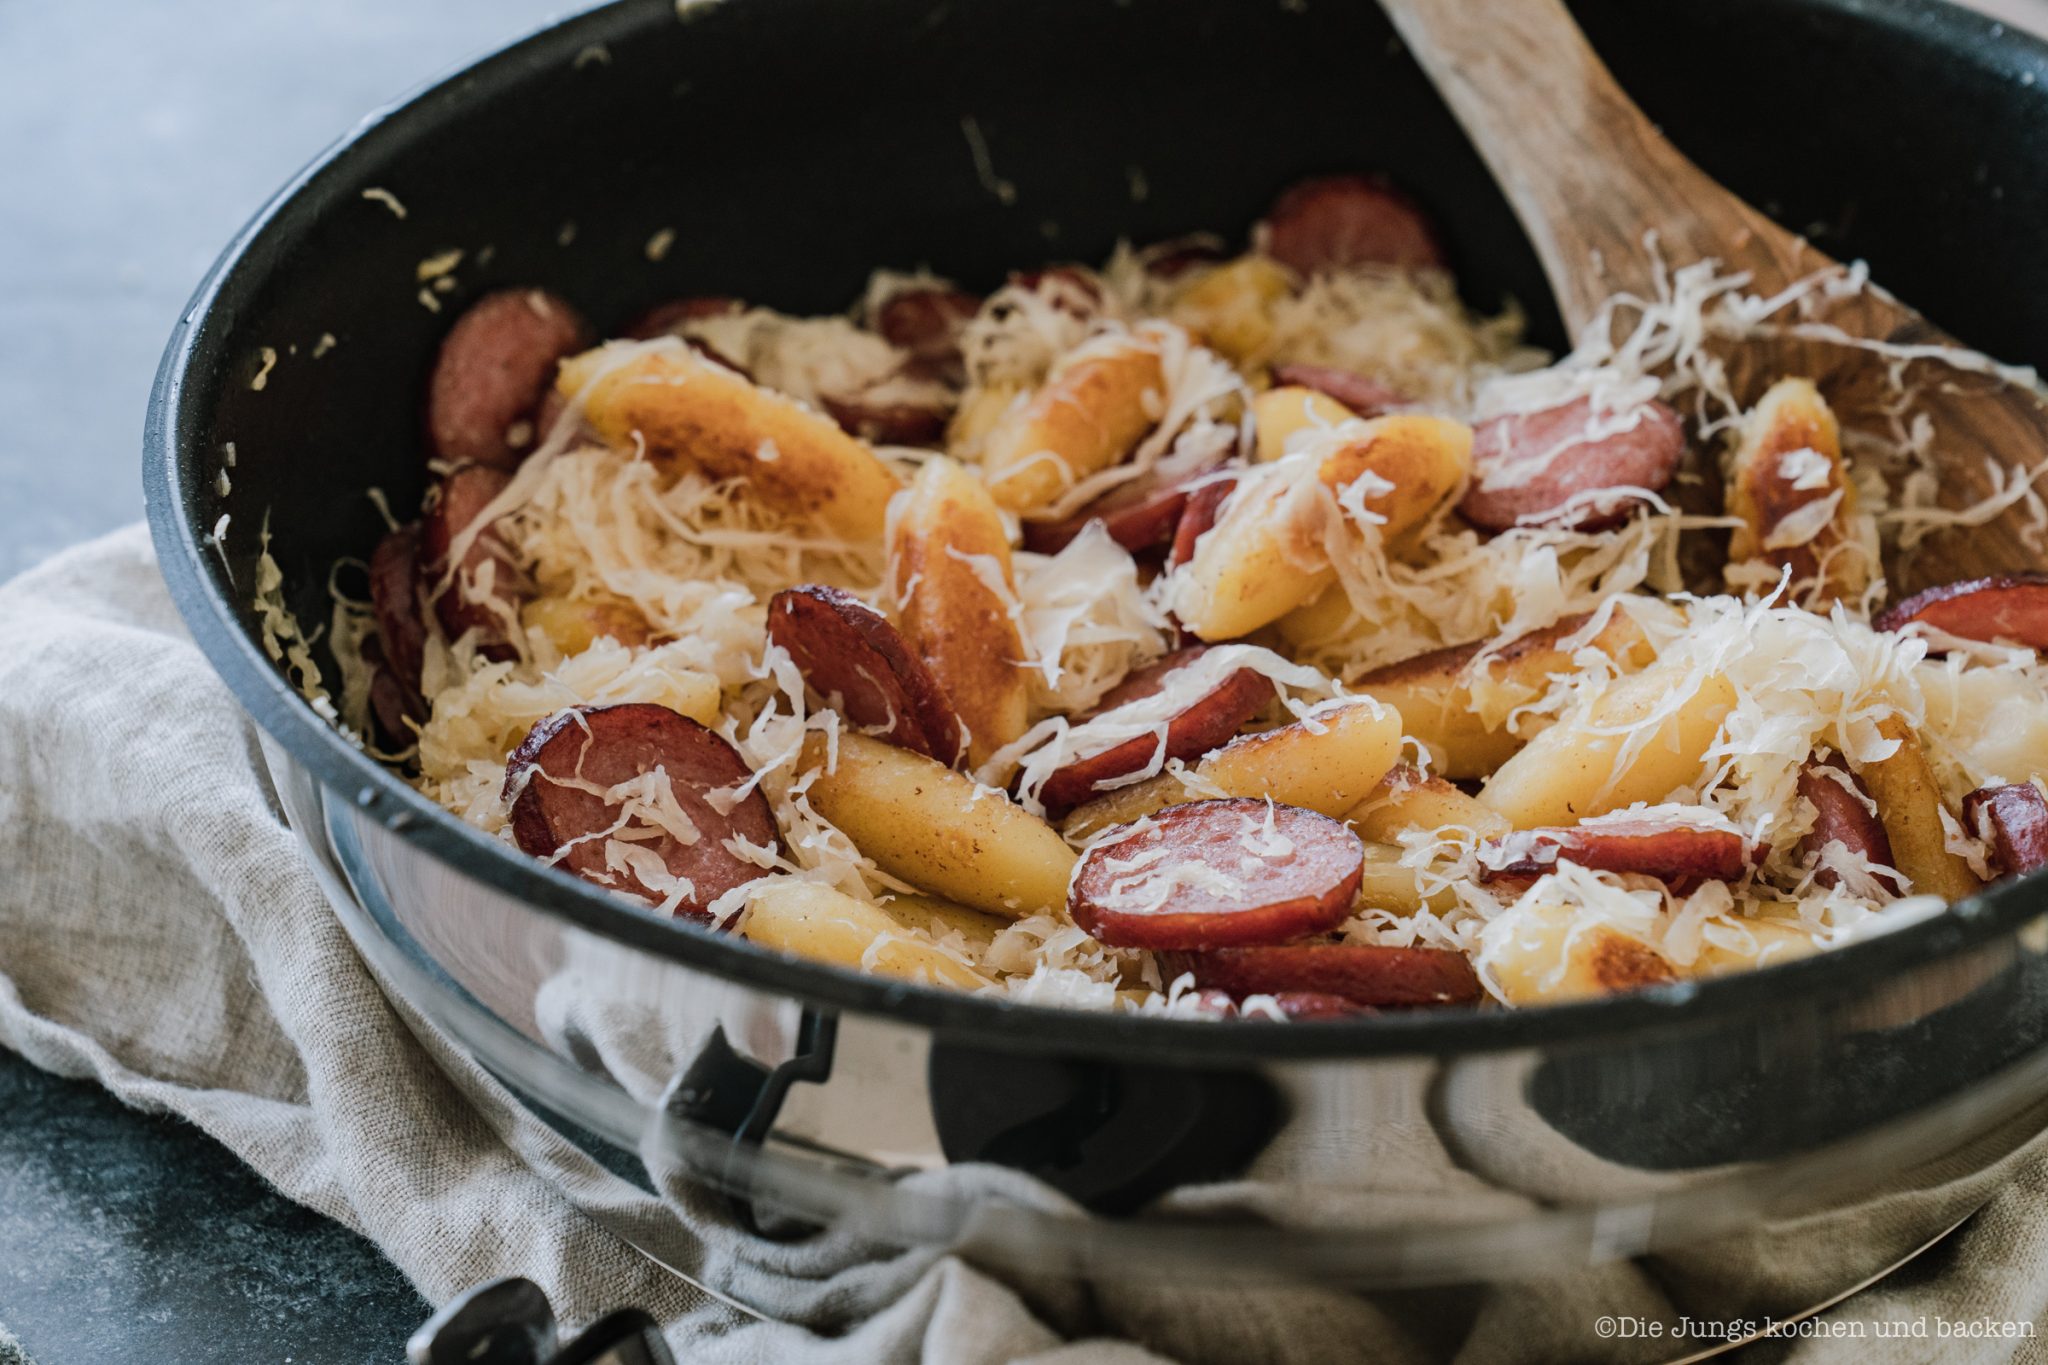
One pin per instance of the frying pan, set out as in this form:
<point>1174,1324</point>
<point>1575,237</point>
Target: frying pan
<point>784,148</point>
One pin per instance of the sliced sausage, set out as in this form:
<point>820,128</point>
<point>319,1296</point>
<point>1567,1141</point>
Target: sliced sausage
<point>1332,222</point>
<point>1305,1005</point>
<point>393,702</point>
<point>495,366</point>
<point>2008,607</point>
<point>1171,260</point>
<point>558,780</point>
<point>1217,874</point>
<point>1198,518</point>
<point>395,597</point>
<point>549,413</point>
<point>894,424</point>
<point>927,322</point>
<point>1365,397</point>
<point>1572,459</point>
<point>1670,852</point>
<point>485,593</point>
<point>1141,514</point>
<point>1291,1004</point>
<point>1205,723</point>
<point>1365,974</point>
<point>667,319</point>
<point>2013,820</point>
<point>861,666</point>
<point>1844,814</point>
<point>1072,289</point>
<point>396,707</point>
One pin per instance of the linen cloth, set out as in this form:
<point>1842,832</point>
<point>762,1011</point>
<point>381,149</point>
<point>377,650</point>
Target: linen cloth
<point>162,932</point>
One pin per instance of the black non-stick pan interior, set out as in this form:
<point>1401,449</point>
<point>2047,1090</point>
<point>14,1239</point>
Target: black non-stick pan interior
<point>780,149</point>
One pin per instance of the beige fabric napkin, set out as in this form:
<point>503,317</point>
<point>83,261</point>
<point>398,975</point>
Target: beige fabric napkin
<point>161,931</point>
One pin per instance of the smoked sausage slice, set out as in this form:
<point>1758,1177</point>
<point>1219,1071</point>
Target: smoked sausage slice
<point>1215,874</point>
<point>861,666</point>
<point>393,701</point>
<point>395,598</point>
<point>669,319</point>
<point>495,366</point>
<point>1171,260</point>
<point>1366,975</point>
<point>1671,852</point>
<point>2008,607</point>
<point>2013,819</point>
<point>1527,466</point>
<point>1845,815</point>
<point>666,319</point>
<point>485,593</point>
<point>1072,289</point>
<point>1198,518</point>
<point>557,782</point>
<point>1335,221</point>
<point>889,424</point>
<point>1365,397</point>
<point>1291,1004</point>
<point>1138,516</point>
<point>927,321</point>
<point>1205,723</point>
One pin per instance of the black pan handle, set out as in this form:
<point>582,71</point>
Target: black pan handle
<point>511,1322</point>
<point>723,1090</point>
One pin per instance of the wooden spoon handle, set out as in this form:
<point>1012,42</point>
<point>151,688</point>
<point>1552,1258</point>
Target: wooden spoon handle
<point>1584,170</point>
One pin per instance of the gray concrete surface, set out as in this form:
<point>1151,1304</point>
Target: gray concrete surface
<point>135,137</point>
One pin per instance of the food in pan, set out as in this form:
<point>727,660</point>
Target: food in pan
<point>1262,634</point>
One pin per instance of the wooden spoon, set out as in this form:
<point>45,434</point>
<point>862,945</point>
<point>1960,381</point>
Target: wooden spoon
<point>1589,176</point>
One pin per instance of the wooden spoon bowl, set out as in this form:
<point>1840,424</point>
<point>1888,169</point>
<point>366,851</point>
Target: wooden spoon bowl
<point>1613,208</point>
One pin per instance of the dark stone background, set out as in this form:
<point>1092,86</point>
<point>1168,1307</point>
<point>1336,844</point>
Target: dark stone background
<point>136,136</point>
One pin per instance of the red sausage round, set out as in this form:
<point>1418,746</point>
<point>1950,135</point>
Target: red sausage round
<point>555,781</point>
<point>1335,221</point>
<point>394,703</point>
<point>861,666</point>
<point>1198,518</point>
<point>927,321</point>
<point>1673,853</point>
<point>1291,1004</point>
<point>1171,260</point>
<point>669,319</point>
<point>2007,607</point>
<point>1843,815</point>
<point>2013,819</point>
<point>1358,973</point>
<point>1365,974</point>
<point>665,319</point>
<point>1301,1005</point>
<point>1365,397</point>
<point>451,506</point>
<point>1072,289</point>
<point>1576,462</point>
<point>1205,723</point>
<point>495,365</point>
<point>1215,874</point>
<point>1141,515</point>
<point>894,424</point>
<point>395,597</point>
